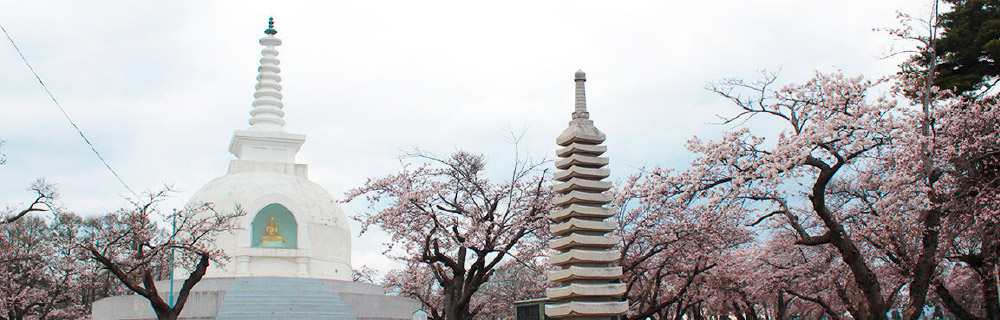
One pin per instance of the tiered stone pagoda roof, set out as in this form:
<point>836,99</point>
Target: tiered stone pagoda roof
<point>587,279</point>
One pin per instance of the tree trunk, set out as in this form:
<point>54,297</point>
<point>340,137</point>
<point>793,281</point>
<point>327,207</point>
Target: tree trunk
<point>927,261</point>
<point>160,307</point>
<point>456,306</point>
<point>738,312</point>
<point>782,311</point>
<point>13,314</point>
<point>696,312</point>
<point>751,311</point>
<point>988,285</point>
<point>865,279</point>
<point>988,280</point>
<point>953,306</point>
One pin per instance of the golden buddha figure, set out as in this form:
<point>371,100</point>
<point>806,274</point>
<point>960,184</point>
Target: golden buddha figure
<point>271,232</point>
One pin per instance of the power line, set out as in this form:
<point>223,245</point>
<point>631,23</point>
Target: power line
<point>92,148</point>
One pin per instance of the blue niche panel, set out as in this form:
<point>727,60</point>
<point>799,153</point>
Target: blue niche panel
<point>287,228</point>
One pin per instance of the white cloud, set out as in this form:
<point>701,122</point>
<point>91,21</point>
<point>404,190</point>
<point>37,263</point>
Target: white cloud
<point>159,87</point>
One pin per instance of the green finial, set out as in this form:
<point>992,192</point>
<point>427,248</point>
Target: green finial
<point>270,27</point>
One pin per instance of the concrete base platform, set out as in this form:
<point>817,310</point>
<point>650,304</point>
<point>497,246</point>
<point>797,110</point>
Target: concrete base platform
<point>269,298</point>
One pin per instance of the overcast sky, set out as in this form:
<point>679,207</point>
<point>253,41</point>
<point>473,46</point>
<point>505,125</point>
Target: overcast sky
<point>160,86</point>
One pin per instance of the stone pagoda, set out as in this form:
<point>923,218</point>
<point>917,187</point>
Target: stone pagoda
<point>587,280</point>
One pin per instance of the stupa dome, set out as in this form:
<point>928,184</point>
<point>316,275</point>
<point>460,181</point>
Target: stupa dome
<point>317,238</point>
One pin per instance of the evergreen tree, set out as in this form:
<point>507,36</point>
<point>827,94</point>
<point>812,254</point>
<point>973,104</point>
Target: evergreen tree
<point>969,49</point>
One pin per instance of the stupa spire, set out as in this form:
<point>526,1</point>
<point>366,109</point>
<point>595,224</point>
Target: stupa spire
<point>267,114</point>
<point>270,27</point>
<point>586,282</point>
<point>266,146</point>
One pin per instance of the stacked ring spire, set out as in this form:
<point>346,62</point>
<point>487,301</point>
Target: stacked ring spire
<point>267,114</point>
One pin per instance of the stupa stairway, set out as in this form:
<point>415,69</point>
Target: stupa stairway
<point>282,298</point>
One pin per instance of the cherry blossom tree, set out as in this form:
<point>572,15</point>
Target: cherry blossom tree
<point>40,271</point>
<point>671,241</point>
<point>455,226</point>
<point>805,281</point>
<point>958,157</point>
<point>44,199</point>
<point>364,274</point>
<point>136,250</point>
<point>891,187</point>
<point>416,280</point>
<point>513,281</point>
<point>966,137</point>
<point>833,130</point>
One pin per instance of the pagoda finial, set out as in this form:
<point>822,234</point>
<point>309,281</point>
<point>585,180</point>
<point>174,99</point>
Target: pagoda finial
<point>581,96</point>
<point>267,114</point>
<point>270,27</point>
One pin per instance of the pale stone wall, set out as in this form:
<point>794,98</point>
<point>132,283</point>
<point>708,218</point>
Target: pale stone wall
<point>365,300</point>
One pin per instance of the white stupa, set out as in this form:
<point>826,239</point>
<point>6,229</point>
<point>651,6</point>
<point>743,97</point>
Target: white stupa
<point>291,258</point>
<point>313,239</point>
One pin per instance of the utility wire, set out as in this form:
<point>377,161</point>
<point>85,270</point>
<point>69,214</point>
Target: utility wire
<point>92,148</point>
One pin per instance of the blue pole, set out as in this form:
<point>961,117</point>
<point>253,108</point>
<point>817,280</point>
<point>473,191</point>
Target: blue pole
<point>173,224</point>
